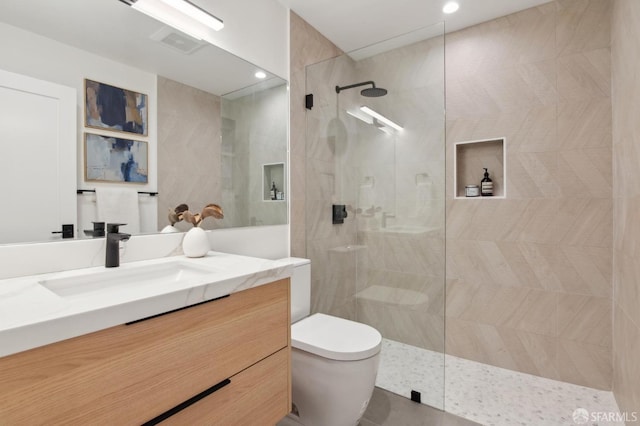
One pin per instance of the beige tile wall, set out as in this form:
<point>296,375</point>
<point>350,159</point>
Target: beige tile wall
<point>529,277</point>
<point>258,137</point>
<point>400,289</point>
<point>393,281</point>
<point>191,123</point>
<point>329,145</point>
<point>625,57</point>
<point>188,143</point>
<point>307,46</point>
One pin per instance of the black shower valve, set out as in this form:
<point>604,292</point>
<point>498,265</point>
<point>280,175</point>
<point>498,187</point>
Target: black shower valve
<point>339,213</point>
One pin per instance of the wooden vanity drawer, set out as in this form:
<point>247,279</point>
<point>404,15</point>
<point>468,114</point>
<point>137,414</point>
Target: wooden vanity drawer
<point>258,395</point>
<point>130,374</point>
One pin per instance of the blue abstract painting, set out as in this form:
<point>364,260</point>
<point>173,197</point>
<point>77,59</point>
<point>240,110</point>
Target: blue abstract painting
<point>110,107</point>
<point>115,160</point>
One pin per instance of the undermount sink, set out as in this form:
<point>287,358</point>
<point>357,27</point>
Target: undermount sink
<point>125,276</point>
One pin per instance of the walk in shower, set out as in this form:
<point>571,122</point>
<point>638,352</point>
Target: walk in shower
<point>375,144</point>
<point>528,276</point>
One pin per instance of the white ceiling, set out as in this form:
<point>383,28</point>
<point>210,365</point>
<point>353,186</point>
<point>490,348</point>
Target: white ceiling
<point>350,24</point>
<point>354,24</point>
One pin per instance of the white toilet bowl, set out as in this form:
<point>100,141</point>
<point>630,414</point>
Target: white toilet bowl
<point>334,361</point>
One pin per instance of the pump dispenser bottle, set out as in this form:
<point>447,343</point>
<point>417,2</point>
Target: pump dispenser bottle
<point>486,186</point>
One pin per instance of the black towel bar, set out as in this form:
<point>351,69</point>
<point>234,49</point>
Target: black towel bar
<point>82,191</point>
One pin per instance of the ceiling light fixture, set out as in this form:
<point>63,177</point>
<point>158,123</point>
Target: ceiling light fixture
<point>367,119</point>
<point>179,14</point>
<point>260,74</point>
<point>370,120</point>
<point>450,7</point>
<point>380,117</point>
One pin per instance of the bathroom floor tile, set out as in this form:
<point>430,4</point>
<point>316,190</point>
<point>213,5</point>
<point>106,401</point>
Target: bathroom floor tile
<point>389,409</point>
<point>404,368</point>
<point>478,392</point>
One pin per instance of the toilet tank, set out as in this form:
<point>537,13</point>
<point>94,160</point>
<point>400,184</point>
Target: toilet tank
<point>300,288</point>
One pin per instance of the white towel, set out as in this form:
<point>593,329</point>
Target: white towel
<point>119,205</point>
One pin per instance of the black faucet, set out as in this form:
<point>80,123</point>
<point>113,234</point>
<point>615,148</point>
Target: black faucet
<point>114,236</point>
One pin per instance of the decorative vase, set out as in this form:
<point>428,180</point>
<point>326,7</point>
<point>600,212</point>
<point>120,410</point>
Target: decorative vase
<point>195,243</point>
<point>169,229</point>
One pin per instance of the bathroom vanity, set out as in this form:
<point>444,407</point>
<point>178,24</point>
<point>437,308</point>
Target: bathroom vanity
<point>211,347</point>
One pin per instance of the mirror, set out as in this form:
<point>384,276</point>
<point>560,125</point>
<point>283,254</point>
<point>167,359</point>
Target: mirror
<point>214,130</point>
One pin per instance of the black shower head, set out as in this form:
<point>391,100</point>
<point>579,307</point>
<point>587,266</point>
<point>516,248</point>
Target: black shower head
<point>371,92</point>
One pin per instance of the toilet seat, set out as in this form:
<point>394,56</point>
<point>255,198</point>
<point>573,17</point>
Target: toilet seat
<point>335,338</point>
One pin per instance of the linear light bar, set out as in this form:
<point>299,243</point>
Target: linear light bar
<point>380,117</point>
<point>365,118</point>
<point>370,120</point>
<point>196,13</point>
<point>181,15</point>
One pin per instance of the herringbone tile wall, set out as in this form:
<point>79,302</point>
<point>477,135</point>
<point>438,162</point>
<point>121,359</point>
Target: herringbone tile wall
<point>189,127</point>
<point>529,277</point>
<point>625,57</point>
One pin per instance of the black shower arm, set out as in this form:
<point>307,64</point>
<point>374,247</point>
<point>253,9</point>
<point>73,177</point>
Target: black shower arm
<point>351,86</point>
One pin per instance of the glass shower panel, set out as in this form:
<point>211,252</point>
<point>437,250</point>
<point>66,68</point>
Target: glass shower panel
<point>382,157</point>
<point>254,153</point>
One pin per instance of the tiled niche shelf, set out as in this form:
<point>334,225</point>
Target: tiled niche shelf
<point>469,159</point>
<point>272,174</point>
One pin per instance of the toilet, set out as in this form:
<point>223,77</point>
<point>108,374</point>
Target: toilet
<point>334,361</point>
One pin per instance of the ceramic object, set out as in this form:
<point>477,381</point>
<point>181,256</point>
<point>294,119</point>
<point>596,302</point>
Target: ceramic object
<point>169,229</point>
<point>195,243</point>
<point>334,361</point>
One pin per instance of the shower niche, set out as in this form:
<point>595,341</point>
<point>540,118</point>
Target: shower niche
<point>469,160</point>
<point>273,182</point>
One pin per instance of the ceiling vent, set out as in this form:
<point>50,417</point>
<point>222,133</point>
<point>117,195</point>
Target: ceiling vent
<point>177,40</point>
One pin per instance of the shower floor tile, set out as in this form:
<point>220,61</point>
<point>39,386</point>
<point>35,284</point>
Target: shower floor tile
<point>491,395</point>
<point>404,368</point>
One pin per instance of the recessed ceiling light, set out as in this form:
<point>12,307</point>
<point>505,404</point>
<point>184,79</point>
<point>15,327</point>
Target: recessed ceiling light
<point>450,7</point>
<point>260,74</point>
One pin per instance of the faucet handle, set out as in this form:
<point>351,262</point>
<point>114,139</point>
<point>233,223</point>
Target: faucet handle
<point>67,231</point>
<point>114,227</point>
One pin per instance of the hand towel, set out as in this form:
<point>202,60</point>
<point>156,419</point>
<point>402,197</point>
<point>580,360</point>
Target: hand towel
<point>119,205</point>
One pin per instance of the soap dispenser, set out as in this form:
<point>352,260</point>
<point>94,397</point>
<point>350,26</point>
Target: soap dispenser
<point>486,186</point>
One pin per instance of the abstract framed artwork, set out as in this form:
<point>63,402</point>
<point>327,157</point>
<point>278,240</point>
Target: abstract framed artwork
<point>113,108</point>
<point>110,159</point>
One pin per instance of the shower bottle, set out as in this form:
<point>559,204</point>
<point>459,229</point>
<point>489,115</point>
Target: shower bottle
<point>486,186</point>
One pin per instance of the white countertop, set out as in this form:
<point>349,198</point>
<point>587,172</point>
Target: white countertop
<point>31,315</point>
